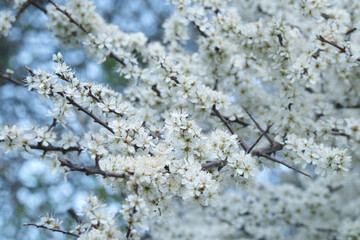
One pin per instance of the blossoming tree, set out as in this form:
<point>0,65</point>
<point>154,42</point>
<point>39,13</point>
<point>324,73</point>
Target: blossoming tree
<point>270,84</point>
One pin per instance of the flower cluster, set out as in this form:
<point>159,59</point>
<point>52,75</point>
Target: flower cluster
<point>326,160</point>
<point>190,126</point>
<point>97,222</point>
<point>49,221</point>
<point>6,20</point>
<point>271,212</point>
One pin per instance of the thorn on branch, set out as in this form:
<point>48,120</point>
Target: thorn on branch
<point>73,214</point>
<point>201,32</point>
<point>53,124</point>
<point>259,138</point>
<point>350,31</point>
<point>259,127</point>
<point>283,163</point>
<point>154,88</point>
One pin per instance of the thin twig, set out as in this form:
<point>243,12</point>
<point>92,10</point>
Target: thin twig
<point>220,164</point>
<point>8,78</point>
<point>270,149</point>
<point>90,114</point>
<point>230,127</point>
<point>82,28</point>
<point>22,9</point>
<point>51,229</point>
<point>322,39</point>
<point>79,107</point>
<point>89,171</point>
<point>341,49</point>
<point>350,31</point>
<point>50,148</point>
<point>61,76</point>
<point>201,32</point>
<point>285,164</point>
<point>53,124</point>
<point>259,127</point>
<point>259,138</point>
<point>68,15</point>
<point>72,212</point>
<point>156,90</point>
<point>261,152</point>
<point>236,120</point>
<point>38,6</point>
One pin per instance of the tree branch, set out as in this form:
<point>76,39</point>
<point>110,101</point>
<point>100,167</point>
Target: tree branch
<point>52,229</point>
<point>334,44</point>
<point>322,39</point>
<point>79,107</point>
<point>50,148</point>
<point>259,127</point>
<point>90,114</point>
<point>89,171</point>
<point>262,134</point>
<point>68,15</point>
<point>22,9</point>
<point>72,212</point>
<point>285,164</point>
<point>38,6</point>
<point>81,27</point>
<point>230,127</point>
<point>8,78</point>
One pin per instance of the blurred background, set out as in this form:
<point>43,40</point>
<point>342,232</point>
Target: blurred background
<point>27,187</point>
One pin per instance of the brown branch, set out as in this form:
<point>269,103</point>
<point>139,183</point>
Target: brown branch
<point>260,152</point>
<point>90,114</point>
<point>230,127</point>
<point>259,127</point>
<point>256,152</point>
<point>339,106</point>
<point>322,39</point>
<point>53,124</point>
<point>38,6</point>
<point>350,31</point>
<point>236,120</point>
<point>22,9</point>
<point>285,164</point>
<point>81,27</point>
<point>73,214</point>
<point>220,164</point>
<point>201,32</point>
<point>79,107</point>
<point>89,171</point>
<point>68,15</point>
<point>52,229</point>
<point>334,44</point>
<point>89,94</point>
<point>50,148</point>
<point>113,56</point>
<point>336,133</point>
<point>8,78</point>
<point>156,90</point>
<point>270,149</point>
<point>262,134</point>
